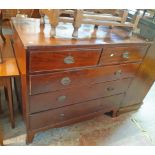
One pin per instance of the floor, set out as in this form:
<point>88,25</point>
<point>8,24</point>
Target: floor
<point>134,128</point>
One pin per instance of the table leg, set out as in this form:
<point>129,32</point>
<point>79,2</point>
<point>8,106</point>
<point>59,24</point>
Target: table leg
<point>8,85</point>
<point>18,92</point>
<point>0,104</point>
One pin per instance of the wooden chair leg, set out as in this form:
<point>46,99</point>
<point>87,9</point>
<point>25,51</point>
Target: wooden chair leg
<point>10,100</point>
<point>1,23</point>
<point>1,33</point>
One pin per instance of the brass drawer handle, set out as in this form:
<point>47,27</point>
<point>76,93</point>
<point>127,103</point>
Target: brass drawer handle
<point>61,98</point>
<point>118,72</point>
<point>69,60</point>
<point>125,55</point>
<point>65,81</point>
<point>110,89</point>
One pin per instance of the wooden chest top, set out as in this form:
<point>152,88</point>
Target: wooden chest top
<point>33,34</point>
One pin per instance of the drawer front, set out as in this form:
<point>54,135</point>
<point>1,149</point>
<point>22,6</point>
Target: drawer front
<point>57,60</point>
<point>56,116</point>
<point>122,54</point>
<point>57,81</point>
<point>65,97</point>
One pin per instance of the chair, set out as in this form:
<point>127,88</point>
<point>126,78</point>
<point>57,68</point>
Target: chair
<point>79,17</point>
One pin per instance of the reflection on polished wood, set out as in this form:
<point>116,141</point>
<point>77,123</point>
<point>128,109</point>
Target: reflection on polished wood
<point>8,67</point>
<point>32,33</point>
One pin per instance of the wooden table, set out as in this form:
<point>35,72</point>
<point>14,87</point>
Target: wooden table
<point>8,70</point>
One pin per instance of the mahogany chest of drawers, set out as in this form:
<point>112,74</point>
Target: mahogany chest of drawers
<point>66,80</point>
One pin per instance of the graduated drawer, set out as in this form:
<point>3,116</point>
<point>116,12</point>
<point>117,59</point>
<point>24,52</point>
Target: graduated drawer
<point>65,97</point>
<point>59,59</point>
<point>56,81</point>
<point>115,54</point>
<point>56,116</point>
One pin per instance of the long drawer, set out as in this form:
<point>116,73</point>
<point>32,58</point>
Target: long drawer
<point>56,81</point>
<point>122,53</point>
<point>65,97</point>
<point>52,117</point>
<point>59,59</point>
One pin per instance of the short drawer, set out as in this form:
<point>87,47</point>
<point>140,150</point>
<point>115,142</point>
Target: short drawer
<point>56,81</point>
<point>58,60</point>
<point>56,116</point>
<point>65,97</point>
<point>122,54</point>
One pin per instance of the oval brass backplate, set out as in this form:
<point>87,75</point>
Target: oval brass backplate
<point>65,81</point>
<point>125,55</point>
<point>61,98</point>
<point>69,60</point>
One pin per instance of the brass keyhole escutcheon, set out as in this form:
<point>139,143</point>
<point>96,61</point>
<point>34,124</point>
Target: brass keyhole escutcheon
<point>110,89</point>
<point>62,115</point>
<point>118,73</point>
